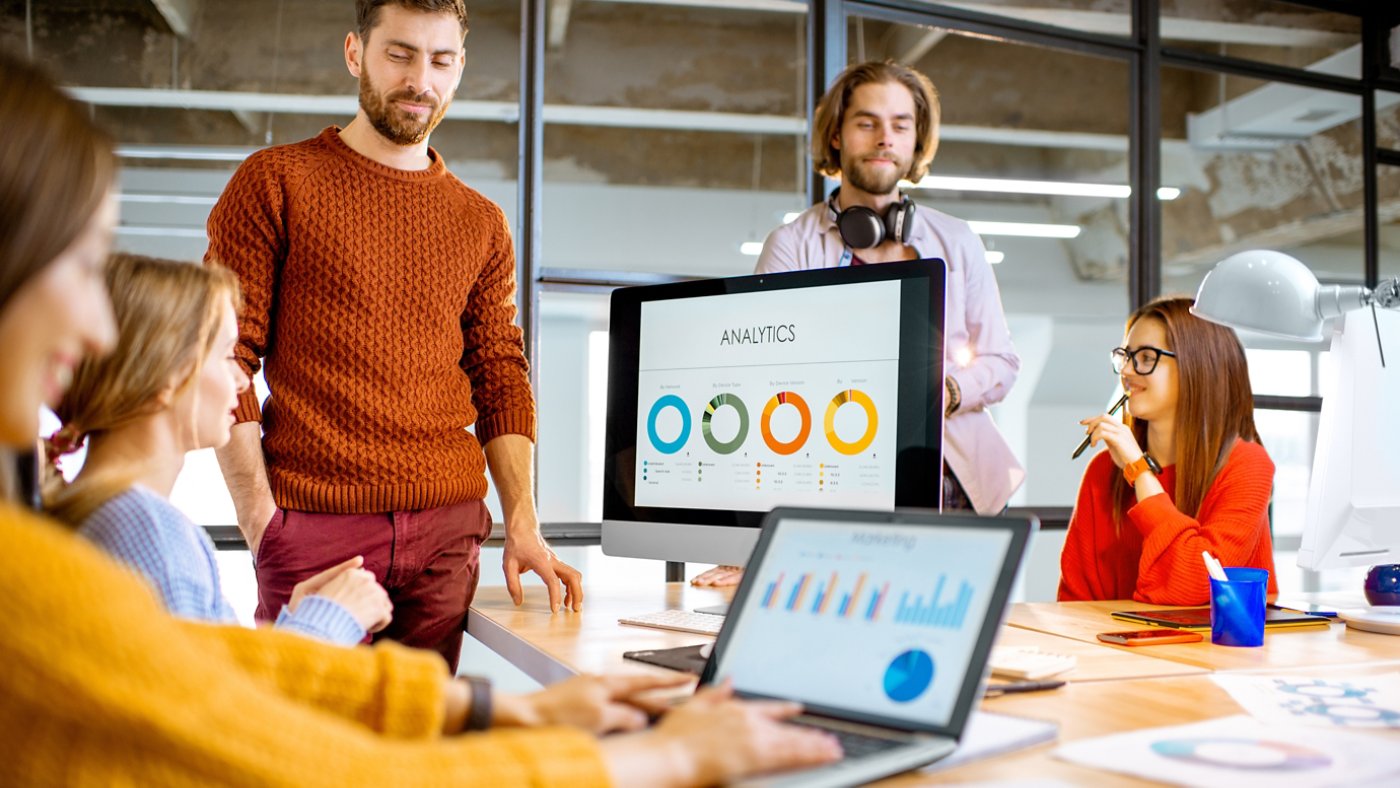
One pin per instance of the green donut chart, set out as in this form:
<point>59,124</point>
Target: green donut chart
<point>732,445</point>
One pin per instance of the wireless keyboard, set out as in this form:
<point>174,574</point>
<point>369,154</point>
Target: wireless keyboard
<point>679,620</point>
<point>1013,662</point>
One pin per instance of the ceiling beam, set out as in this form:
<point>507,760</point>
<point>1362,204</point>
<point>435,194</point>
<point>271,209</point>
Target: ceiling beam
<point>574,115</point>
<point>462,109</point>
<point>178,14</point>
<point>909,44</point>
<point>1290,31</point>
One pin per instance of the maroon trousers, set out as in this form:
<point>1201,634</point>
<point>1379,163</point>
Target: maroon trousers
<point>427,560</point>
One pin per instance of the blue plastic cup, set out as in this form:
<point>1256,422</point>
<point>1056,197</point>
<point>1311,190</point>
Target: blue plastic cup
<point>1237,607</point>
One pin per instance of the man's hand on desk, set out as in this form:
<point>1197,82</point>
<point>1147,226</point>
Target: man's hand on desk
<point>527,551</point>
<point>719,577</point>
<point>598,704</point>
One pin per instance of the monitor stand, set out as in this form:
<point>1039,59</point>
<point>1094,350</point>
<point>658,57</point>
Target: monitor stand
<point>719,610</point>
<point>1385,620</point>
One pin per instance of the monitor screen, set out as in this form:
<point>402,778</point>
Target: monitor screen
<point>729,397</point>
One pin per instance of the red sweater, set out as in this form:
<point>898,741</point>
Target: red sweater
<point>1157,556</point>
<point>382,302</point>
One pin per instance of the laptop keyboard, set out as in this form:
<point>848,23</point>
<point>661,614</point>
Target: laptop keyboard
<point>680,620</point>
<point>856,745</point>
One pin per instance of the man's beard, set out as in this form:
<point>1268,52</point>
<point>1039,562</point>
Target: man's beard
<point>872,181</point>
<point>394,124</point>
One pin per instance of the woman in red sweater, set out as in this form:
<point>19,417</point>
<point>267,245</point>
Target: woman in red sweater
<point>1183,472</point>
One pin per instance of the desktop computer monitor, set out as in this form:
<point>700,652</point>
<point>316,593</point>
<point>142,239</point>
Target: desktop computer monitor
<point>1353,510</point>
<point>728,397</point>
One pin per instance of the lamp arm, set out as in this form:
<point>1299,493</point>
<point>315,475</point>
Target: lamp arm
<point>1336,300</point>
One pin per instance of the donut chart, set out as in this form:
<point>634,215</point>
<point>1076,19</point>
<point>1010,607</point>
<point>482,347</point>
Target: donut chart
<point>732,445</point>
<point>765,423</point>
<point>672,446</point>
<point>872,421</point>
<point>1243,754</point>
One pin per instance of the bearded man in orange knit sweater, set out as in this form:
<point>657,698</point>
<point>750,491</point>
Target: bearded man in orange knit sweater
<point>380,295</point>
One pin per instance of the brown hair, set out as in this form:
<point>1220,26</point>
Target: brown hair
<point>367,12</point>
<point>56,168</point>
<point>167,316</point>
<point>831,113</point>
<point>1214,403</point>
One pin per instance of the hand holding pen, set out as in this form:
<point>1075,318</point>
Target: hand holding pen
<point>1087,438</point>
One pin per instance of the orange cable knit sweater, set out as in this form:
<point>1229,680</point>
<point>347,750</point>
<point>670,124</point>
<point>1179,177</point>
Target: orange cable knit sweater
<point>1157,556</point>
<point>102,687</point>
<point>382,302</point>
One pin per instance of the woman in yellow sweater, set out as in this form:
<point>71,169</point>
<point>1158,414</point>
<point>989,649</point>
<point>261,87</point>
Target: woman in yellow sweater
<point>101,686</point>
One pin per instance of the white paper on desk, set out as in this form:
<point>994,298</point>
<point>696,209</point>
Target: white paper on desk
<point>1361,702</point>
<point>989,734</point>
<point>1239,751</point>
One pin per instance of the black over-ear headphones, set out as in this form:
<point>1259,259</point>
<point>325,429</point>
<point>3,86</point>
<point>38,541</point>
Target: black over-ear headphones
<point>862,228</point>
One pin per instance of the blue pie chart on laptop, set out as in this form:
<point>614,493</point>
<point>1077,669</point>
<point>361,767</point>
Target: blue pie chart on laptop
<point>909,675</point>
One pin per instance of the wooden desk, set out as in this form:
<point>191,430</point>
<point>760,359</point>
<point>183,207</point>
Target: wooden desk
<point>1113,689</point>
<point>550,647</point>
<point>1283,649</point>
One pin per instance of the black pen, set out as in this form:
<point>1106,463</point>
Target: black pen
<point>1085,444</point>
<point>994,690</point>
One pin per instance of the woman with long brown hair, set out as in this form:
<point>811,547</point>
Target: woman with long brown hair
<point>1183,471</point>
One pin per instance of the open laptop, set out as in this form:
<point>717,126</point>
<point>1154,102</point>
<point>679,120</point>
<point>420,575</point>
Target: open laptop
<point>879,623</point>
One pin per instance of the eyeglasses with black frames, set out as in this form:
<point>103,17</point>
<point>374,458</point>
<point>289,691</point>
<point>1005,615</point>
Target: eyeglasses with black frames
<point>1144,359</point>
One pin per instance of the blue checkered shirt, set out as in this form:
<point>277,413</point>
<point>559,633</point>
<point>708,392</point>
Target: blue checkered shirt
<point>150,535</point>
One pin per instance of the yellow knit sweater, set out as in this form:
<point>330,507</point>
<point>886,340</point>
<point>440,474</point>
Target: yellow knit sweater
<point>99,686</point>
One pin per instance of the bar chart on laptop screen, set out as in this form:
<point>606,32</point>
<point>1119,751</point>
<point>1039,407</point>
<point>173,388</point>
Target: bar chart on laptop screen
<point>752,400</point>
<point>894,611</point>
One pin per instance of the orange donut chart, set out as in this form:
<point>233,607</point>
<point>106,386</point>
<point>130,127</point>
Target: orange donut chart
<point>765,424</point>
<point>872,421</point>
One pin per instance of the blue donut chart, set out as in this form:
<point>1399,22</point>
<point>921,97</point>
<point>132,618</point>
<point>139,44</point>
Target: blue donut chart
<point>668,447</point>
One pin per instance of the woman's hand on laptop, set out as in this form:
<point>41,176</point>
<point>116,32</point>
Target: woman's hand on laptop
<point>715,738</point>
<point>598,704</point>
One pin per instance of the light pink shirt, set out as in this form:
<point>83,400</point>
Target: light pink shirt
<point>973,319</point>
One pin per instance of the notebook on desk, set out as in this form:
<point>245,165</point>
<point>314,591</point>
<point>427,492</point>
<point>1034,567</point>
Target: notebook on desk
<point>879,623</point>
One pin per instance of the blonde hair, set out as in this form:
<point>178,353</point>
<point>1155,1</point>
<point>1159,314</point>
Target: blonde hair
<point>831,113</point>
<point>167,316</point>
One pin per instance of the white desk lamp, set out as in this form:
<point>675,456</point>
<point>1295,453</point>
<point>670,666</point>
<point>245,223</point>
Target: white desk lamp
<point>1272,293</point>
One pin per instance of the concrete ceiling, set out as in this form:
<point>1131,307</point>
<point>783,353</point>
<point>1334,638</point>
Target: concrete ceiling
<point>710,94</point>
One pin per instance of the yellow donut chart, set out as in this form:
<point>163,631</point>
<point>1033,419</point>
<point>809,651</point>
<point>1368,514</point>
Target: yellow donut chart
<point>872,421</point>
<point>765,424</point>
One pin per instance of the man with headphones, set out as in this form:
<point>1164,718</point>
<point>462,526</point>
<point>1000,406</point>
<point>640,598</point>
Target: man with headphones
<point>877,125</point>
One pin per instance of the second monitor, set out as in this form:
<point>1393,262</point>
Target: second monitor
<point>728,397</point>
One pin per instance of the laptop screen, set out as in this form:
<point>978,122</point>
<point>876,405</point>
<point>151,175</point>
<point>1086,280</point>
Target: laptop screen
<point>878,620</point>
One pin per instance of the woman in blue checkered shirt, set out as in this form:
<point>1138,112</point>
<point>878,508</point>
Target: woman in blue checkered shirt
<point>169,387</point>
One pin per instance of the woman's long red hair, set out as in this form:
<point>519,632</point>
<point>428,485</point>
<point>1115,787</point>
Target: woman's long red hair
<point>1214,404</point>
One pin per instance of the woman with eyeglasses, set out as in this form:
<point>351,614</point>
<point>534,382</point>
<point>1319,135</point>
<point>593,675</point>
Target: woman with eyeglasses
<point>1183,469</point>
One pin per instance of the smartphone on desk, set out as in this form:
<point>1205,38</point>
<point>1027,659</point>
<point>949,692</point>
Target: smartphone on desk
<point>1150,637</point>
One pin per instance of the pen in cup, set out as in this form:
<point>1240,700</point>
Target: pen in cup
<point>1213,567</point>
<point>1085,443</point>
